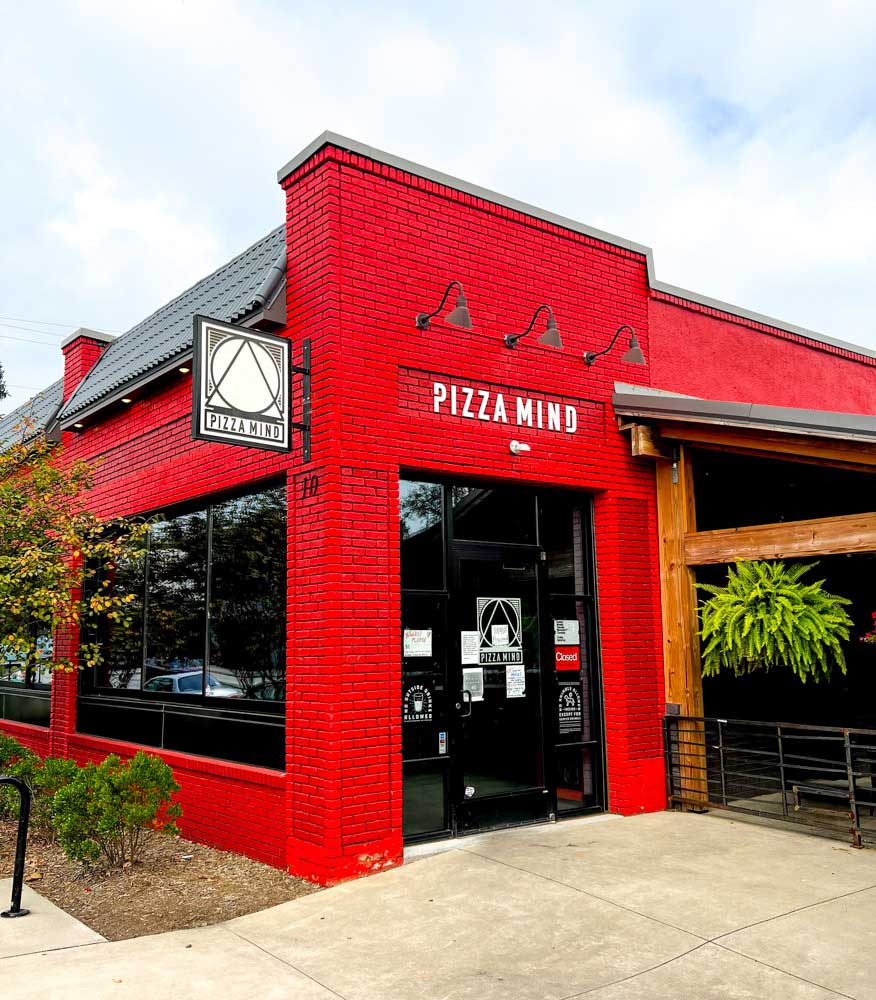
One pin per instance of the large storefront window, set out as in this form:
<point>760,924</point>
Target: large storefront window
<point>205,649</point>
<point>176,605</point>
<point>248,596</point>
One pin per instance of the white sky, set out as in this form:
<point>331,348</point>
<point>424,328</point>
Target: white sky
<point>141,141</point>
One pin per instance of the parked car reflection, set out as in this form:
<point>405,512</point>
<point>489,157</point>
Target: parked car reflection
<point>190,683</point>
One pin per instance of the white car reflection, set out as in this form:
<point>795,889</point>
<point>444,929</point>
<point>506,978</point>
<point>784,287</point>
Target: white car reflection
<point>189,682</point>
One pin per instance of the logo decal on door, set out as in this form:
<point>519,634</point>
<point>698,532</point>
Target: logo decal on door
<point>500,636</point>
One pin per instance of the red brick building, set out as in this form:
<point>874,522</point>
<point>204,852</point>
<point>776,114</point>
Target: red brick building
<point>421,629</point>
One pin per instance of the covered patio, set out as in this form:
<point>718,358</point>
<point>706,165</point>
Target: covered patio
<point>741,481</point>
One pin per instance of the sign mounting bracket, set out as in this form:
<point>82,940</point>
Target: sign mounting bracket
<point>304,424</point>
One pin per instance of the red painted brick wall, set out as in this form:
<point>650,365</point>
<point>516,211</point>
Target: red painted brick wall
<point>370,247</point>
<point>402,239</point>
<point>230,806</point>
<point>36,738</point>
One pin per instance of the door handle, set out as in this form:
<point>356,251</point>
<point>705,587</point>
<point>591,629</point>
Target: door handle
<point>465,701</point>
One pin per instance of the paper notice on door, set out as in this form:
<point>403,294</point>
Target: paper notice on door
<point>566,632</point>
<point>515,680</point>
<point>499,635</point>
<point>418,642</point>
<point>473,682</point>
<point>470,647</point>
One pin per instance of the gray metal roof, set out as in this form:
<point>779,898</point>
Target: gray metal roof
<point>629,401</point>
<point>32,417</point>
<point>227,294</point>
<point>476,191</point>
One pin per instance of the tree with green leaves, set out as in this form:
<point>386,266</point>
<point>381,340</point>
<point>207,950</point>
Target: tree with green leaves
<point>57,557</point>
<point>4,392</point>
<point>766,616</point>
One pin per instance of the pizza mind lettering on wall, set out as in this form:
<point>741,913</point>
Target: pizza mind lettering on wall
<point>503,408</point>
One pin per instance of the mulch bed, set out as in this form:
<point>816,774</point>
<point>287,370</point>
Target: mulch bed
<point>177,885</point>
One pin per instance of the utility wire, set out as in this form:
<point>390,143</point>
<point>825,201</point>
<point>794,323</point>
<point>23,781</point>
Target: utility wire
<point>28,329</point>
<point>26,340</point>
<point>42,322</point>
<point>36,322</point>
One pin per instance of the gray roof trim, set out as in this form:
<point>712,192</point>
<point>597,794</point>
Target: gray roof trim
<point>475,190</point>
<point>66,421</point>
<point>408,166</point>
<point>83,331</point>
<point>756,416</point>
<point>267,289</point>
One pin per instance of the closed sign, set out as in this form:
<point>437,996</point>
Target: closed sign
<point>567,657</point>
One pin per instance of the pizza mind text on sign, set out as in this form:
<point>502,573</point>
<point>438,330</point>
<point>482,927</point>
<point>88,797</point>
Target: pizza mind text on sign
<point>501,408</point>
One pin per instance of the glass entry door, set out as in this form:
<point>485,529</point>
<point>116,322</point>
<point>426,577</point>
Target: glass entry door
<point>501,720</point>
<point>498,776</point>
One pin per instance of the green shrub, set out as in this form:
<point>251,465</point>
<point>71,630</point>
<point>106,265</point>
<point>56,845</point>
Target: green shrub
<point>15,760</point>
<point>11,751</point>
<point>103,812</point>
<point>47,778</point>
<point>44,777</point>
<point>767,617</point>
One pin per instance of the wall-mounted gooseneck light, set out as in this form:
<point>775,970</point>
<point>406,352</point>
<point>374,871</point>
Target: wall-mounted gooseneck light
<point>550,337</point>
<point>459,316</point>
<point>633,356</point>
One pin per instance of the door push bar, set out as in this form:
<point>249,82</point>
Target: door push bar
<point>15,909</point>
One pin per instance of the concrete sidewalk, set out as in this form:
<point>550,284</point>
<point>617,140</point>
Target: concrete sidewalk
<point>666,905</point>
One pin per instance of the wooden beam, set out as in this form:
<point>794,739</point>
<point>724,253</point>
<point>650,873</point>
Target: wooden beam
<point>676,522</point>
<point>821,536</point>
<point>645,443</point>
<point>676,519</point>
<point>859,455</point>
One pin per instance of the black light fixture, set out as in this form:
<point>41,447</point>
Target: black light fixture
<point>550,337</point>
<point>634,355</point>
<point>459,316</point>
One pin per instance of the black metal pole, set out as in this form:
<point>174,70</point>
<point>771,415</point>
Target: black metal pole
<point>855,830</point>
<point>15,909</point>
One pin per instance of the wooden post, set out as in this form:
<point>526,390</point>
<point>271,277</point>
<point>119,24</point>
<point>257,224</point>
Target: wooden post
<point>676,518</point>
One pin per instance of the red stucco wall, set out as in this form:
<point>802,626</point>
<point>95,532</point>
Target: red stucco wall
<point>704,352</point>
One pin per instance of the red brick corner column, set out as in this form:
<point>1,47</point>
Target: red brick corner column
<point>343,708</point>
<point>344,702</point>
<point>628,583</point>
<point>65,686</point>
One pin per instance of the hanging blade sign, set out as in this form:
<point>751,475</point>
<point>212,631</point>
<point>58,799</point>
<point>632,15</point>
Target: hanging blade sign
<point>240,386</point>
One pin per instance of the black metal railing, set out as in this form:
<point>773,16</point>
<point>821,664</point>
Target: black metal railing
<point>15,908</point>
<point>820,777</point>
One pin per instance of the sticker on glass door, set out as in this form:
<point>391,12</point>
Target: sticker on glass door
<point>500,637</point>
<point>417,704</point>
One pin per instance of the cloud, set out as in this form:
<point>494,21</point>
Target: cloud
<point>119,232</point>
<point>737,139</point>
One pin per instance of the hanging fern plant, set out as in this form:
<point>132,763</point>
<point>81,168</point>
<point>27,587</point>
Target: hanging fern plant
<point>766,617</point>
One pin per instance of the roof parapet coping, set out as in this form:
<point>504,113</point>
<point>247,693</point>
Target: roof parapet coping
<point>83,331</point>
<point>329,138</point>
